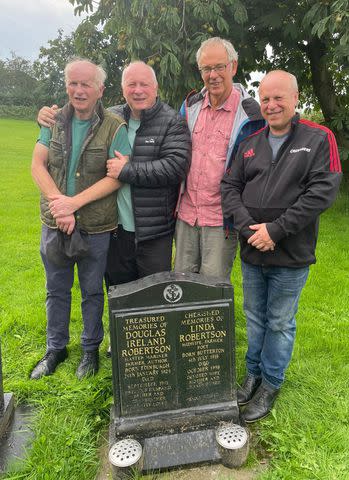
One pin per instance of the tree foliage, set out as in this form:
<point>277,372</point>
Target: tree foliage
<point>307,37</point>
<point>17,81</point>
<point>49,69</point>
<point>102,48</point>
<point>164,34</point>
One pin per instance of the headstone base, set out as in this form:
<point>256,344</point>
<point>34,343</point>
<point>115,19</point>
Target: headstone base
<point>173,421</point>
<point>6,413</point>
<point>187,449</point>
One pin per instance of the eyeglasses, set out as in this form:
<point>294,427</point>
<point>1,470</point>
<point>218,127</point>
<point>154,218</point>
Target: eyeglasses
<point>216,68</point>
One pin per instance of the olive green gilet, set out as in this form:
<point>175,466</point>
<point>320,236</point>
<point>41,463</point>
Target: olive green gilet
<point>100,215</point>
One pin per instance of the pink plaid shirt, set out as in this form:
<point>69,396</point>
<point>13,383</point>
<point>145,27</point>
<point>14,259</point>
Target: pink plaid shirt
<point>201,201</point>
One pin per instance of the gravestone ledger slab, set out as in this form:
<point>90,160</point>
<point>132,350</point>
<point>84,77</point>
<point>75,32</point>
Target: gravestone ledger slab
<point>173,366</point>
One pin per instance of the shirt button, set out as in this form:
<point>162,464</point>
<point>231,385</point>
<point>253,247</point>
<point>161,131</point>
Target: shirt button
<point>77,174</point>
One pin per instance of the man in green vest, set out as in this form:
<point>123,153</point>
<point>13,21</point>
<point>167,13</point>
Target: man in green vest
<point>78,211</point>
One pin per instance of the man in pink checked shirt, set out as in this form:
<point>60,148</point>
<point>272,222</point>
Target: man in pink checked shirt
<point>219,117</point>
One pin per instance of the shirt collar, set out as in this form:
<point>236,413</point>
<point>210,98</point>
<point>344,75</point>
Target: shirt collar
<point>230,103</point>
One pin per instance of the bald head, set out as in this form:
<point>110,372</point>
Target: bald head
<point>138,66</point>
<point>278,94</point>
<point>282,76</point>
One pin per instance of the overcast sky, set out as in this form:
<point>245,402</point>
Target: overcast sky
<point>27,25</point>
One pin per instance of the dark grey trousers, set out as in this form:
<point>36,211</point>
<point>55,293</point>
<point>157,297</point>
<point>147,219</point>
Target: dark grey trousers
<point>59,282</point>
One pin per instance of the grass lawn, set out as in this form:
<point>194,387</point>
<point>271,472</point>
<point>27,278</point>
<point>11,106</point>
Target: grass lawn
<point>305,437</point>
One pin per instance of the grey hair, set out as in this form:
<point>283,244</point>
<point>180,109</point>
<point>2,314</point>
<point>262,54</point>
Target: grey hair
<point>229,48</point>
<point>138,62</point>
<point>100,75</point>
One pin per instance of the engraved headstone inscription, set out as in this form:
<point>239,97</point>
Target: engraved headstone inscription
<point>173,365</point>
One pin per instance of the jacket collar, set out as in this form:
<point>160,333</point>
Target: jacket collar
<point>147,114</point>
<point>66,114</point>
<point>195,96</point>
<point>294,122</point>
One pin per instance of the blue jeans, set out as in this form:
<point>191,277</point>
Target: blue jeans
<point>59,282</point>
<point>271,296</point>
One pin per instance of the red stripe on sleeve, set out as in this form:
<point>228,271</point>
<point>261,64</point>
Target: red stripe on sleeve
<point>335,164</point>
<point>257,132</point>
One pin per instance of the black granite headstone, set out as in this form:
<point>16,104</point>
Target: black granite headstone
<point>173,362</point>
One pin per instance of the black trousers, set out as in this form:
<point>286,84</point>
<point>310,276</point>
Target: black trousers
<point>127,261</point>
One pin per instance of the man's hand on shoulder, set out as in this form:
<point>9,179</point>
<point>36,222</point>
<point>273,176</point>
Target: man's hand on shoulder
<point>47,115</point>
<point>62,206</point>
<point>66,224</point>
<point>116,164</point>
<point>261,238</point>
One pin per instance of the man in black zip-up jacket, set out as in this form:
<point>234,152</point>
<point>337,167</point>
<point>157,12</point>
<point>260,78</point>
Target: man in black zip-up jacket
<point>283,177</point>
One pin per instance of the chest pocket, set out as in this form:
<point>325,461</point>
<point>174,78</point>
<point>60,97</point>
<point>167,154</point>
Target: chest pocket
<point>94,160</point>
<point>197,143</point>
<point>220,143</point>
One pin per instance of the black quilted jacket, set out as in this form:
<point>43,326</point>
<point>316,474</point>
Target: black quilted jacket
<point>159,161</point>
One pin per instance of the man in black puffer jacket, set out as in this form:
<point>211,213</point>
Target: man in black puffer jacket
<point>160,160</point>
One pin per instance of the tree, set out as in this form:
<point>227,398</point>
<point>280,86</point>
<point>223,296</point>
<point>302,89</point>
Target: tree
<point>17,81</point>
<point>86,43</point>
<point>103,48</point>
<point>49,69</point>
<point>310,39</point>
<point>307,37</point>
<point>164,34</point>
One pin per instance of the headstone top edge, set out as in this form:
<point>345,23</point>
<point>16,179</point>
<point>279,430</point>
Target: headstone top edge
<point>166,277</point>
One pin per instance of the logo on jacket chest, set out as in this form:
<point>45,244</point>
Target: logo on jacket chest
<point>150,140</point>
<point>250,153</point>
<point>302,149</point>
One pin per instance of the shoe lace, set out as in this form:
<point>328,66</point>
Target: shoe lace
<point>47,355</point>
<point>262,396</point>
<point>89,355</point>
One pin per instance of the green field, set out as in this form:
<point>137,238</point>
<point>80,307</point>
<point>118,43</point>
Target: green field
<point>305,437</point>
